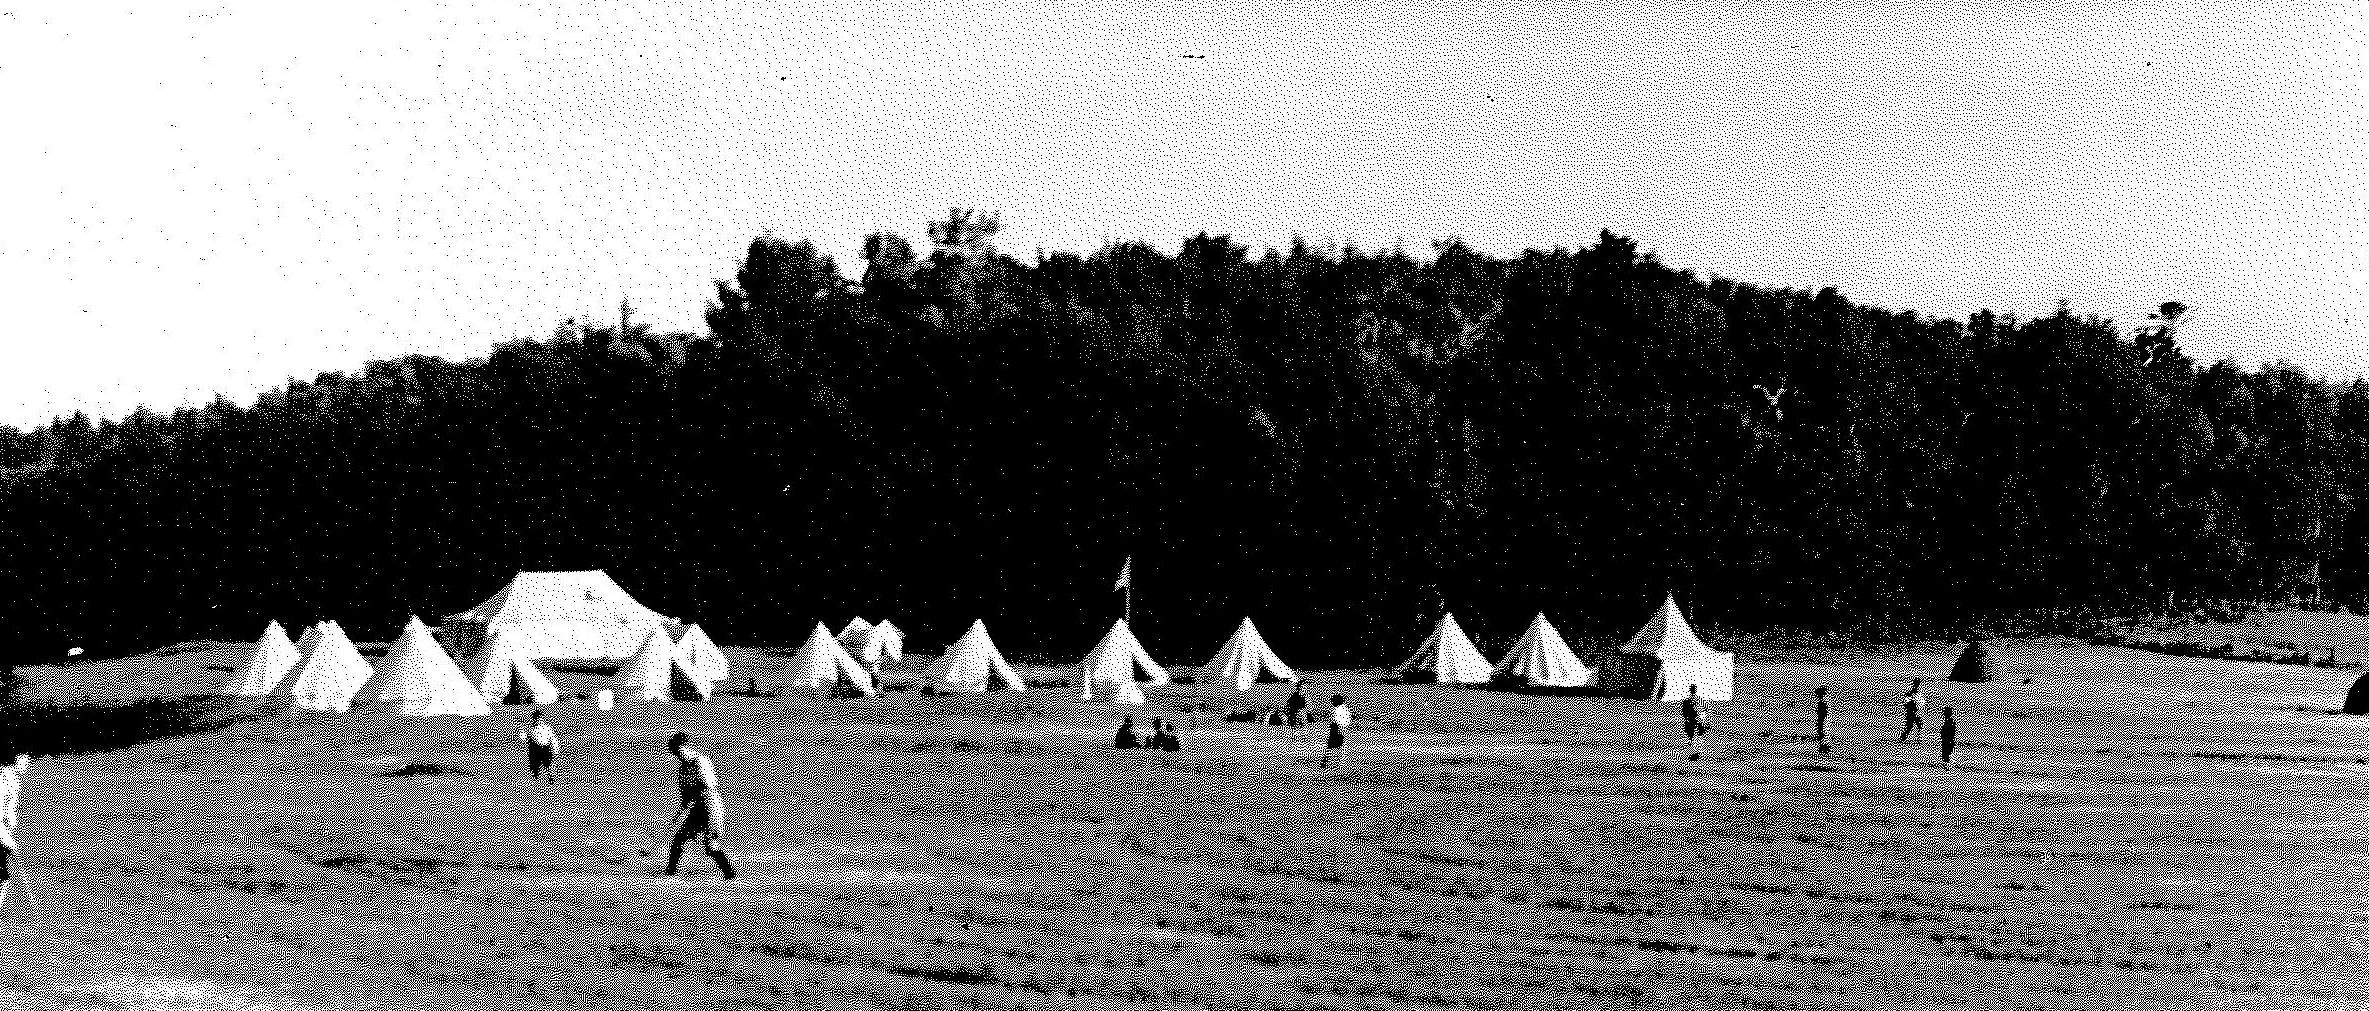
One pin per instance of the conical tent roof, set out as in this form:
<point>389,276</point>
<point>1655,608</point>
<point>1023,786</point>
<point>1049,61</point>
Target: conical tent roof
<point>652,675</point>
<point>327,679</point>
<point>268,667</point>
<point>1541,659</point>
<point>1665,632</point>
<point>1119,659</point>
<point>880,644</point>
<point>1682,660</point>
<point>973,664</point>
<point>823,663</point>
<point>700,657</point>
<point>572,615</point>
<point>890,638</point>
<point>505,675</point>
<point>1246,660</point>
<point>416,678</point>
<point>311,638</point>
<point>853,632</point>
<point>1445,658</point>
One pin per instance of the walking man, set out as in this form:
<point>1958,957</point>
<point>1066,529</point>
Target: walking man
<point>542,745</point>
<point>1690,717</point>
<point>1912,707</point>
<point>1337,734</point>
<point>701,815</point>
<point>12,785</point>
<point>1949,735</point>
<point>1818,714</point>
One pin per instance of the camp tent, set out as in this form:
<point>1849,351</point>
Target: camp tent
<point>505,675</point>
<point>1445,658</point>
<point>853,633</point>
<point>653,673</point>
<point>1245,660</point>
<point>973,664</point>
<point>2356,702</point>
<point>561,616</point>
<point>1541,659</point>
<point>823,663</point>
<point>881,644</point>
<point>268,667</point>
<point>1664,658</point>
<point>311,638</point>
<point>1119,660</point>
<point>329,676</point>
<point>417,678</point>
<point>700,657</point>
<point>1123,693</point>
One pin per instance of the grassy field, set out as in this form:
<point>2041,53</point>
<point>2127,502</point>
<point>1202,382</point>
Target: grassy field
<point>2128,829</point>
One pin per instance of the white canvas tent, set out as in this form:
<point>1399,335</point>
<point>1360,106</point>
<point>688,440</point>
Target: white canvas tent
<point>561,616</point>
<point>853,633</point>
<point>822,663</point>
<point>973,664</point>
<point>505,675</point>
<point>416,678</point>
<point>1119,661</point>
<point>268,667</point>
<point>311,638</point>
<point>879,645</point>
<point>329,676</point>
<point>1541,659</point>
<point>1675,658</point>
<point>652,673</point>
<point>1445,658</point>
<point>1245,660</point>
<point>700,657</point>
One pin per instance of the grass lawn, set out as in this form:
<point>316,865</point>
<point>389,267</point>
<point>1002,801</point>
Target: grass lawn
<point>2127,830</point>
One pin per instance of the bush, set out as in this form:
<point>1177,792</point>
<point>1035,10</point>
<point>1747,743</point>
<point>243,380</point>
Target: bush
<point>49,728</point>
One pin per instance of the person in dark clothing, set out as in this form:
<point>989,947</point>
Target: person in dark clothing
<point>542,747</point>
<point>1336,732</point>
<point>1818,716</point>
<point>1126,739</point>
<point>1949,734</point>
<point>1163,736</point>
<point>701,815</point>
<point>1912,708</point>
<point>1295,707</point>
<point>1690,718</point>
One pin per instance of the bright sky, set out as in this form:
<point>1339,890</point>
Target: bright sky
<point>213,197</point>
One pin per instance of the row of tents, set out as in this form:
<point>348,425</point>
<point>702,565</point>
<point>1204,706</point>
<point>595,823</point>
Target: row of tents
<point>1664,661</point>
<point>325,672</point>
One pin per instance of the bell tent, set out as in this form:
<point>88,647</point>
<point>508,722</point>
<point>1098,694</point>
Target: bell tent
<point>973,664</point>
<point>506,676</point>
<point>1245,660</point>
<point>268,668</point>
<point>823,663</point>
<point>700,657</point>
<point>561,616</point>
<point>653,674</point>
<point>1664,658</point>
<point>853,633</point>
<point>417,678</point>
<point>1541,659</point>
<point>329,676</point>
<point>306,642</point>
<point>878,646</point>
<point>1445,658</point>
<point>1119,660</point>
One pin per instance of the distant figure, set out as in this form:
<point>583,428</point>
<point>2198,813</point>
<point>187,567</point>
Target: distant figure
<point>1274,717</point>
<point>1818,716</point>
<point>1912,706</point>
<point>1335,736</point>
<point>1949,734</point>
<point>1164,736</point>
<point>542,746</point>
<point>12,788</point>
<point>1690,717</point>
<point>1126,740</point>
<point>701,815</point>
<point>1295,707</point>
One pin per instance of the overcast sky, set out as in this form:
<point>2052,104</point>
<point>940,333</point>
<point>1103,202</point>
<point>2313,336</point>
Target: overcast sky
<point>214,197</point>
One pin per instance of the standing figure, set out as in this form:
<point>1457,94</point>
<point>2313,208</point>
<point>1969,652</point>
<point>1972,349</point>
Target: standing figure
<point>1818,716</point>
<point>701,815</point>
<point>1336,734</point>
<point>1690,717</point>
<point>12,787</point>
<point>1295,707</point>
<point>1912,707</point>
<point>1125,739</point>
<point>542,747</point>
<point>1949,734</point>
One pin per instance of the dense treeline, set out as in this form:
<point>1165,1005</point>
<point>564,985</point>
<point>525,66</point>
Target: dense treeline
<point>1337,442</point>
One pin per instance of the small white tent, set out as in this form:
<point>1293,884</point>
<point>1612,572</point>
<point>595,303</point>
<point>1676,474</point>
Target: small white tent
<point>700,657</point>
<point>853,633</point>
<point>1675,658</point>
<point>268,667</point>
<point>823,663</point>
<point>306,642</point>
<point>652,673</point>
<point>1445,658</point>
<point>505,675</point>
<point>973,664</point>
<point>879,645</point>
<point>416,678</point>
<point>329,676</point>
<point>1541,659</point>
<point>1245,660</point>
<point>1119,661</point>
<point>561,616</point>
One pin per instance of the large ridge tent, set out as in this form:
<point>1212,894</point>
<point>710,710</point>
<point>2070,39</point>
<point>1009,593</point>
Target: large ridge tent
<point>1119,661</point>
<point>653,674</point>
<point>416,678</point>
<point>1447,657</point>
<point>822,663</point>
<point>1541,659</point>
<point>505,675</point>
<point>1665,657</point>
<point>1245,660</point>
<point>561,616</point>
<point>881,644</point>
<point>700,657</point>
<point>268,668</point>
<point>329,676</point>
<point>973,664</point>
